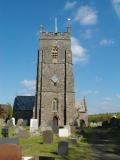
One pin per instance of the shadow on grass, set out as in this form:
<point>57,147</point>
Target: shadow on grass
<point>104,141</point>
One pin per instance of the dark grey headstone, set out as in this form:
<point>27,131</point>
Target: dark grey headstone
<point>48,136</point>
<point>9,141</point>
<point>44,158</point>
<point>63,148</point>
<point>5,132</point>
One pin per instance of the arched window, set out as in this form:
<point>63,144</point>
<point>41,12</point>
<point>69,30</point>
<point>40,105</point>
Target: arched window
<point>55,105</point>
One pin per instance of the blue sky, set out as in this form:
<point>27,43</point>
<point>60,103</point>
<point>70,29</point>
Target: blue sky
<point>95,44</point>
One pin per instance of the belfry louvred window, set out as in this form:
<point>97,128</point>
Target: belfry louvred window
<point>55,52</point>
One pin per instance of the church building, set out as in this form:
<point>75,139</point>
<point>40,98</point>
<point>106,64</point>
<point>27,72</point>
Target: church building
<point>55,96</point>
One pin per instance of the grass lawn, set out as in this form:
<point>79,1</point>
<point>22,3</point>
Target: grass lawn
<point>33,146</point>
<point>98,143</point>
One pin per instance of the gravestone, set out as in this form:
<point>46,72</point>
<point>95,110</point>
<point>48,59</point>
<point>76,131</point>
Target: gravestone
<point>4,132</point>
<point>2,122</point>
<point>114,122</point>
<point>17,129</point>
<point>25,122</point>
<point>9,123</point>
<point>69,129</point>
<point>9,140</point>
<point>13,120</point>
<point>10,152</point>
<point>28,158</point>
<point>20,122</point>
<point>64,132</point>
<point>63,148</point>
<point>73,141</point>
<point>44,158</point>
<point>23,134</point>
<point>33,125</point>
<point>48,137</point>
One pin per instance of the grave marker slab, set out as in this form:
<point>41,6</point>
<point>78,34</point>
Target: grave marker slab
<point>20,122</point>
<point>64,132</point>
<point>4,132</point>
<point>48,137</point>
<point>9,123</point>
<point>33,125</point>
<point>13,120</point>
<point>44,158</point>
<point>63,148</point>
<point>9,140</point>
<point>73,141</point>
<point>10,152</point>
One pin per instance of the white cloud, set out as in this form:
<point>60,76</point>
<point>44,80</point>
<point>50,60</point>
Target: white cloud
<point>118,95</point>
<point>86,15</point>
<point>98,79</point>
<point>79,53</point>
<point>88,33</point>
<point>107,99</point>
<point>70,5</point>
<point>106,42</point>
<point>103,107</point>
<point>89,92</point>
<point>29,84</point>
<point>116,5</point>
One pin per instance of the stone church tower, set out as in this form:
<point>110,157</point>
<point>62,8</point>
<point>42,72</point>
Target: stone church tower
<point>55,97</point>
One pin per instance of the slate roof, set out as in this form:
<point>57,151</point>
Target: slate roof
<point>24,103</point>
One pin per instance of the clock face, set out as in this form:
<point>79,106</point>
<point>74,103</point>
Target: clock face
<point>54,78</point>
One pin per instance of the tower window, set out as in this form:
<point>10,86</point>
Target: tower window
<point>55,52</point>
<point>55,105</point>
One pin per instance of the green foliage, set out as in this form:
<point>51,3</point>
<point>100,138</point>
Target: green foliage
<point>102,117</point>
<point>10,111</point>
<point>1,112</point>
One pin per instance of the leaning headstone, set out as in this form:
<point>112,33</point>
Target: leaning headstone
<point>64,132</point>
<point>20,122</point>
<point>10,152</point>
<point>4,132</point>
<point>48,136</point>
<point>33,125</point>
<point>63,148</point>
<point>7,140</point>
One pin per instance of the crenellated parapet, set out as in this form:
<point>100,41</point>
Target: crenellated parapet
<point>53,35</point>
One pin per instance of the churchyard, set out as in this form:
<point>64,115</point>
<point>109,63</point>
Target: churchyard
<point>89,144</point>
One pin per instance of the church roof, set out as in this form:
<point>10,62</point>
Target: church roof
<point>24,103</point>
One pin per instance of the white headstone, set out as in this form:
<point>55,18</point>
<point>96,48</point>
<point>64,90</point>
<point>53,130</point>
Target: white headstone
<point>33,125</point>
<point>27,158</point>
<point>69,129</point>
<point>13,120</point>
<point>64,132</point>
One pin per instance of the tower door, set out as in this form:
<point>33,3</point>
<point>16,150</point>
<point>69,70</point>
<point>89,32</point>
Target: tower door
<point>55,125</point>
